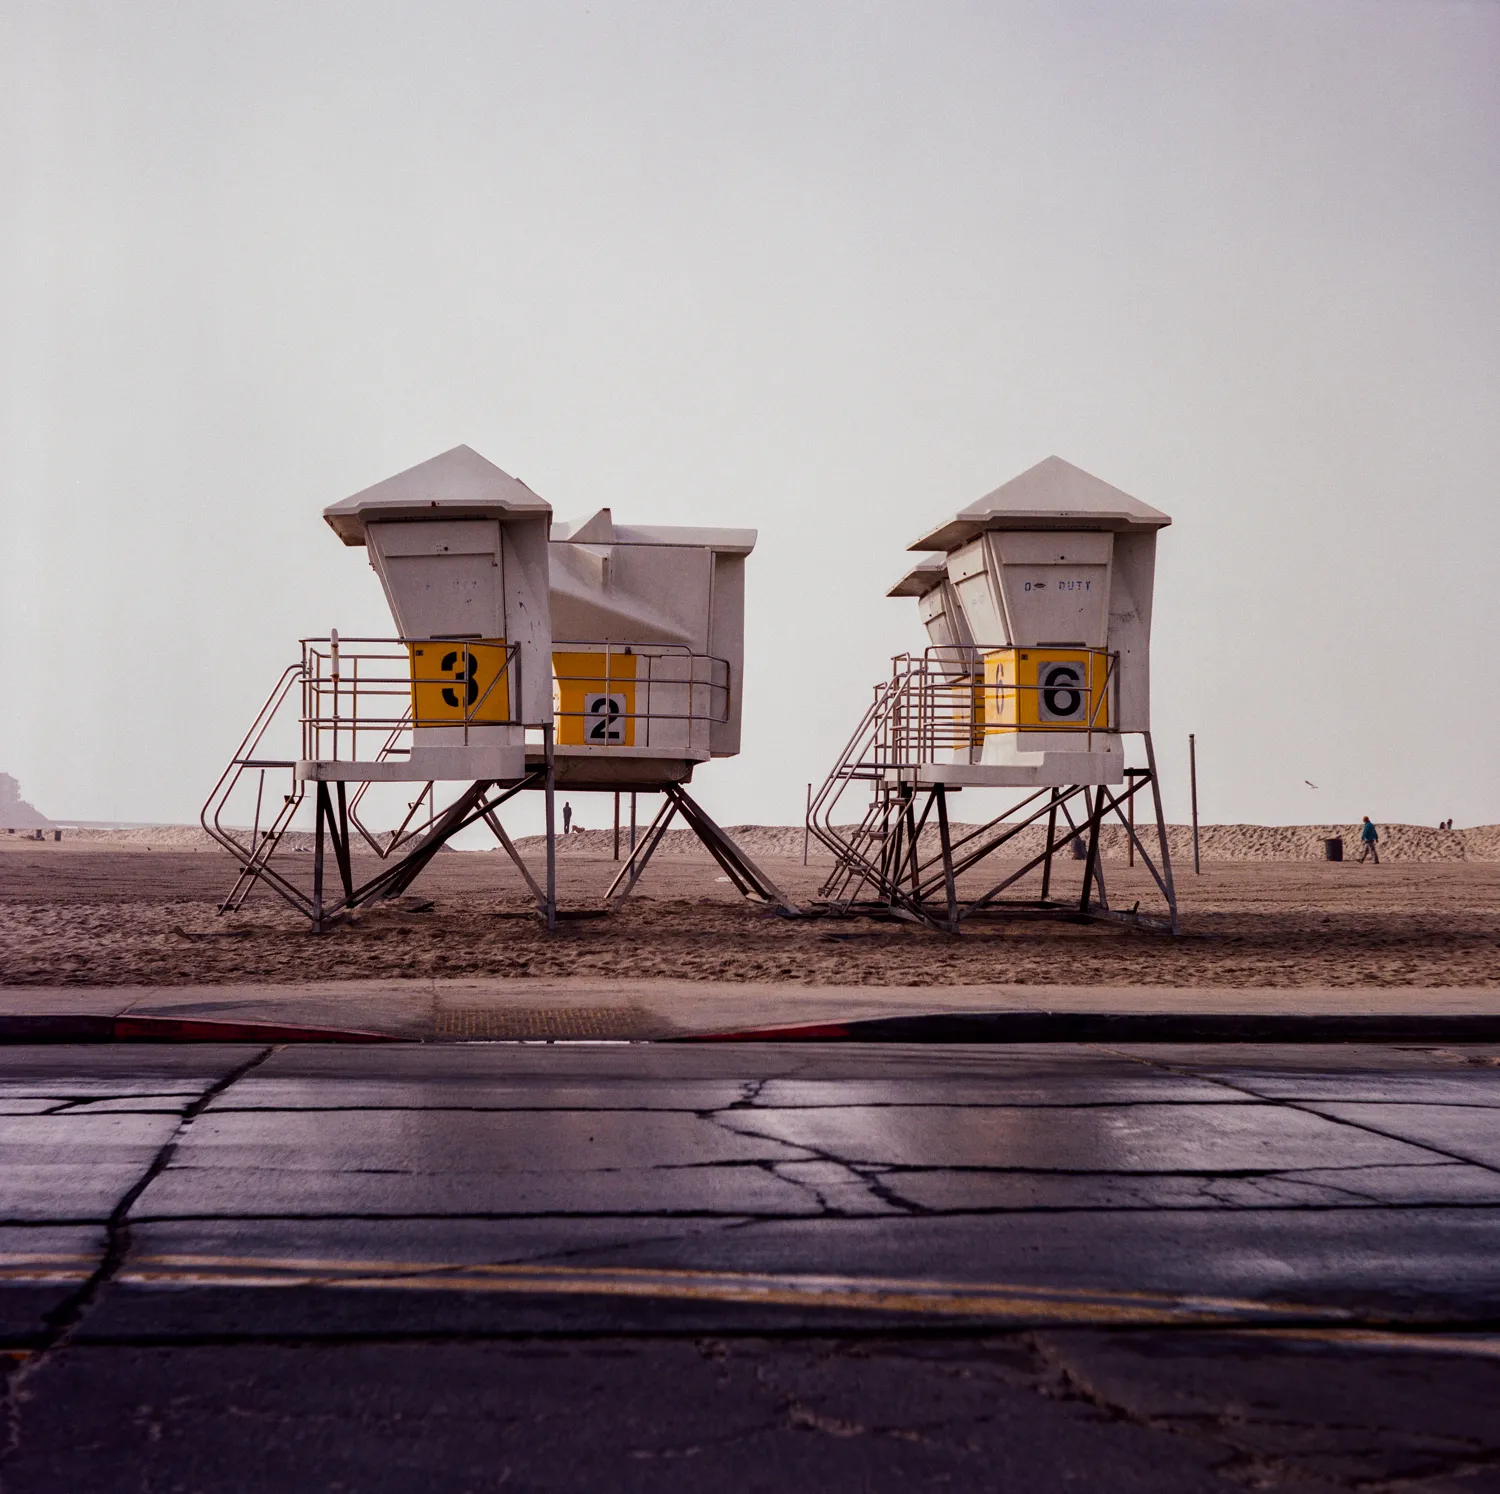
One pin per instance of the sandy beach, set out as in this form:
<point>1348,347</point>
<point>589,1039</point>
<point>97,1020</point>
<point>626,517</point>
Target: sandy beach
<point>102,910</point>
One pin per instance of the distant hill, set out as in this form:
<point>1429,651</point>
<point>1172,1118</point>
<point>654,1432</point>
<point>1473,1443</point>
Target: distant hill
<point>1217,842</point>
<point>15,812</point>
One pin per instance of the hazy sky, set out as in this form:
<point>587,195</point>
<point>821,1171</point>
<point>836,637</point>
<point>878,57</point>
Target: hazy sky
<point>830,270</point>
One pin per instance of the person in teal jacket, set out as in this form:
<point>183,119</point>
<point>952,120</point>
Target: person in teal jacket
<point>1368,835</point>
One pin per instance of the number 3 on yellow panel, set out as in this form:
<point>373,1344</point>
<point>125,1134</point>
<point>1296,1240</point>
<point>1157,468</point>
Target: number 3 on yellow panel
<point>457,682</point>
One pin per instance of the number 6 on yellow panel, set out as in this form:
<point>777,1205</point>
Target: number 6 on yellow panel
<point>1049,689</point>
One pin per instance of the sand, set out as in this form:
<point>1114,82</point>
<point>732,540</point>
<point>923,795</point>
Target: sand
<point>1216,842</point>
<point>98,913</point>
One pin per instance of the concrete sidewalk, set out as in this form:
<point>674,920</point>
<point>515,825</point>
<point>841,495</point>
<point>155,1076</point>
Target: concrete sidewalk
<point>459,1010</point>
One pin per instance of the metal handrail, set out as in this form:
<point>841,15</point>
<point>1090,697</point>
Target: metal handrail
<point>347,688</point>
<point>940,704</point>
<point>351,686</point>
<point>720,694</point>
<point>927,707</point>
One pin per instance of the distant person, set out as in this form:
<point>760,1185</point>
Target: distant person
<point>1368,835</point>
<point>567,818</point>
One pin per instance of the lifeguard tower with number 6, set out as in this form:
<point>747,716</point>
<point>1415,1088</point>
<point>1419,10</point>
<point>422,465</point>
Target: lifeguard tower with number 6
<point>1037,603</point>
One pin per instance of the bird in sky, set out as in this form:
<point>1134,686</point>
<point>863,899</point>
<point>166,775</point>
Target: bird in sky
<point>1309,783</point>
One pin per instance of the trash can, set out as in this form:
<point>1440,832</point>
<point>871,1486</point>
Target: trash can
<point>1333,848</point>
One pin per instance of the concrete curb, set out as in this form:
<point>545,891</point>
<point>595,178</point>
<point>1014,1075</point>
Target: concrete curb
<point>1127,1027</point>
<point>80,1028</point>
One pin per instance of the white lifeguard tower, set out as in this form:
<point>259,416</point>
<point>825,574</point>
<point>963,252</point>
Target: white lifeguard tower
<point>460,548</point>
<point>649,649</point>
<point>641,684</point>
<point>1036,601</point>
<point>648,662</point>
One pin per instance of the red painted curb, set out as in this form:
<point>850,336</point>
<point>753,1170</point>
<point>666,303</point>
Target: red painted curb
<point>206,1030</point>
<point>771,1034</point>
<point>68,1028</point>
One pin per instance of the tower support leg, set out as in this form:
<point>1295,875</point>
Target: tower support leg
<point>320,801</point>
<point>740,869</point>
<point>340,836</point>
<point>636,863</point>
<point>950,884</point>
<point>1169,887</point>
<point>1051,846</point>
<point>550,910</point>
<point>1095,806</point>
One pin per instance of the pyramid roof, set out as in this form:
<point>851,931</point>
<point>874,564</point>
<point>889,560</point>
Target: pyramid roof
<point>1052,495</point>
<point>458,484</point>
<point>928,572</point>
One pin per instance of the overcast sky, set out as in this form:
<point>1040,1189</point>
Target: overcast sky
<point>828,270</point>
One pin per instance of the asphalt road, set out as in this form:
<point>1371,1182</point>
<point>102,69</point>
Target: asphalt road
<point>759,1267</point>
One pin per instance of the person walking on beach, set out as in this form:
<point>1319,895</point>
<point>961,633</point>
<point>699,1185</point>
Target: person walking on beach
<point>1368,835</point>
<point>568,818</point>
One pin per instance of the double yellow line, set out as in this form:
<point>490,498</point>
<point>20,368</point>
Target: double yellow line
<point>1007,1304</point>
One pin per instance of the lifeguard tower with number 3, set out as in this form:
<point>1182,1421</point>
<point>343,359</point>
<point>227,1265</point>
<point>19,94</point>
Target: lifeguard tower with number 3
<point>526,657</point>
<point>1036,602</point>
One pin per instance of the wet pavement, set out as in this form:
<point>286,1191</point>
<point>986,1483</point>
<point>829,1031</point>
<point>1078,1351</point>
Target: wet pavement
<point>758,1266</point>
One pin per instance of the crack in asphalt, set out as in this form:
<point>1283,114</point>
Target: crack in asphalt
<point>1308,1107</point>
<point>863,1177</point>
<point>1248,1464</point>
<point>1057,1375</point>
<point>62,1320</point>
<point>1244,1464</point>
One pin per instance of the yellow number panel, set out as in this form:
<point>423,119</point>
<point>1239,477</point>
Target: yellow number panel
<point>594,696</point>
<point>1046,689</point>
<point>452,683</point>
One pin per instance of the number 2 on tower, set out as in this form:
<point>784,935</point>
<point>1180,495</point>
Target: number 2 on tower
<point>605,715</point>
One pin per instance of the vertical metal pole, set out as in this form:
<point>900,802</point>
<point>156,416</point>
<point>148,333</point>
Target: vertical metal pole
<point>1130,843</point>
<point>890,866</point>
<point>341,841</point>
<point>805,819</point>
<point>911,860</point>
<point>320,800</point>
<point>1161,831</point>
<point>1051,837</point>
<point>551,796</point>
<point>617,824</point>
<point>950,885</point>
<point>1193,781</point>
<point>1095,805</point>
<point>632,822</point>
<point>255,831</point>
<point>333,649</point>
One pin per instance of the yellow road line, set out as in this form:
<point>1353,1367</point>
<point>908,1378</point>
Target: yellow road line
<point>997,1301</point>
<point>1483,1346</point>
<point>817,1283</point>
